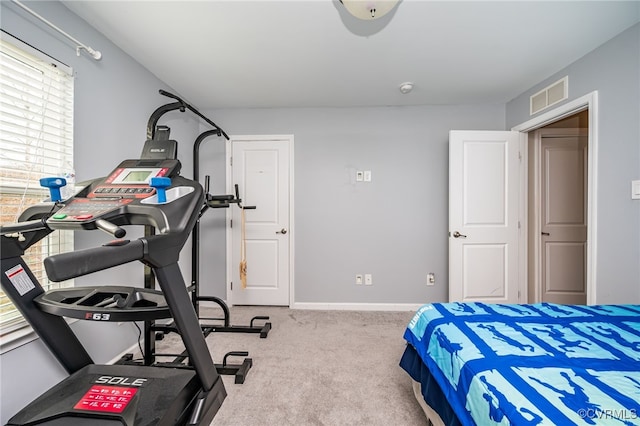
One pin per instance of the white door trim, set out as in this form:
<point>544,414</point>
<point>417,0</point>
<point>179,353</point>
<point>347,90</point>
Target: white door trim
<point>230,190</point>
<point>590,102</point>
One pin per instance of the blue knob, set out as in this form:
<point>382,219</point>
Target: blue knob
<point>54,184</point>
<point>161,184</point>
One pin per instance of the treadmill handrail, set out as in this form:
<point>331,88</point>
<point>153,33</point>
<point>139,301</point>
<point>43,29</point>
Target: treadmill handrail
<point>27,226</point>
<point>65,266</point>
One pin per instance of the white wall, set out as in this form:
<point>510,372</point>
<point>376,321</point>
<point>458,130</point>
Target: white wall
<point>614,71</point>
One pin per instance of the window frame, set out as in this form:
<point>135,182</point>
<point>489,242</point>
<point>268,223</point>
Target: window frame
<point>18,332</point>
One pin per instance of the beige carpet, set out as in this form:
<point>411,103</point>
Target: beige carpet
<point>316,368</point>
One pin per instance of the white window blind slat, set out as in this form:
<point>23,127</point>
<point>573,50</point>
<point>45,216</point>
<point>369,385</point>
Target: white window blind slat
<point>13,133</point>
<point>15,118</point>
<point>41,82</point>
<point>22,106</point>
<point>37,81</point>
<point>15,143</point>
<point>36,140</point>
<point>27,103</point>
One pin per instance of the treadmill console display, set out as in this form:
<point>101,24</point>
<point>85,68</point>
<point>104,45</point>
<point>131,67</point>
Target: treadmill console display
<point>127,183</point>
<point>131,179</point>
<point>137,176</point>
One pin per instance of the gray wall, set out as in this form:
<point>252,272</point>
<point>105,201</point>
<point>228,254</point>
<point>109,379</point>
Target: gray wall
<point>614,71</point>
<point>113,101</point>
<point>394,227</point>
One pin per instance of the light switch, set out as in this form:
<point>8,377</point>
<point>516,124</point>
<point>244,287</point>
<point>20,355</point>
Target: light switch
<point>367,175</point>
<point>635,190</point>
<point>359,176</point>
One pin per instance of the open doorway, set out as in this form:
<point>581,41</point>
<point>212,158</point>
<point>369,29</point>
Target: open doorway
<point>557,211</point>
<point>589,104</point>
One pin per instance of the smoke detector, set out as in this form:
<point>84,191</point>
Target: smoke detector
<point>406,87</point>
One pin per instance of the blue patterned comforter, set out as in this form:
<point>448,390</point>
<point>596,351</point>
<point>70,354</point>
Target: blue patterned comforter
<point>540,364</point>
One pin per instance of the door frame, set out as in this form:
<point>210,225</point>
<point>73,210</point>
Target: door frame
<point>230,190</point>
<point>590,103</point>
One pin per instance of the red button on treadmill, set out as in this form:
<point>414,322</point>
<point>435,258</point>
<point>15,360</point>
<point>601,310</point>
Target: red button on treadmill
<point>84,216</point>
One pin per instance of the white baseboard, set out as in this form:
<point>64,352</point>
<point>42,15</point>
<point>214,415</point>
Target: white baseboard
<point>400,307</point>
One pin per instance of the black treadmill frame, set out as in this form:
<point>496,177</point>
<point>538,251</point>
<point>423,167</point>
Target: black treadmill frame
<point>159,252</point>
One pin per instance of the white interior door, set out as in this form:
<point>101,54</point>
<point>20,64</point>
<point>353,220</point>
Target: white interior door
<point>563,219</point>
<point>262,170</point>
<point>484,181</point>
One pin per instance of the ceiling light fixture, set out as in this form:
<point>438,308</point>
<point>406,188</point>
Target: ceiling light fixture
<point>369,9</point>
<point>406,87</point>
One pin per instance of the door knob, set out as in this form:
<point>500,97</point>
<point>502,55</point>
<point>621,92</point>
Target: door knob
<point>282,231</point>
<point>458,235</point>
<point>545,233</point>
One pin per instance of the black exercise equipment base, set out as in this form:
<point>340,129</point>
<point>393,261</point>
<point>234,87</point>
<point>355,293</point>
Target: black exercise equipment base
<point>213,328</point>
<point>240,371</point>
<point>264,330</point>
<point>167,397</point>
<point>105,303</point>
<point>226,319</point>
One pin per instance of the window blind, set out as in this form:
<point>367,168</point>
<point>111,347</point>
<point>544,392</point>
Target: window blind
<point>36,140</point>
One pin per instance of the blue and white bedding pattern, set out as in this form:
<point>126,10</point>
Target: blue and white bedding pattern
<point>541,364</point>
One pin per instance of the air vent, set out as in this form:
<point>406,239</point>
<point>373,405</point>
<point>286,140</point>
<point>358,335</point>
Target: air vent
<point>550,95</point>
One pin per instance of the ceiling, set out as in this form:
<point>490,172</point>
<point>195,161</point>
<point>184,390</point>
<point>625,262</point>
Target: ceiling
<point>312,53</point>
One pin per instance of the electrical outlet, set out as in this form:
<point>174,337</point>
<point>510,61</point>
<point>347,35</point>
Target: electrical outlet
<point>368,279</point>
<point>359,279</point>
<point>431,278</point>
<point>359,176</point>
<point>635,189</point>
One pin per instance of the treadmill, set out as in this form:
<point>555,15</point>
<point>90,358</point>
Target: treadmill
<point>147,192</point>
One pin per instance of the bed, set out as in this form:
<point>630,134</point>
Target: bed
<point>546,364</point>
